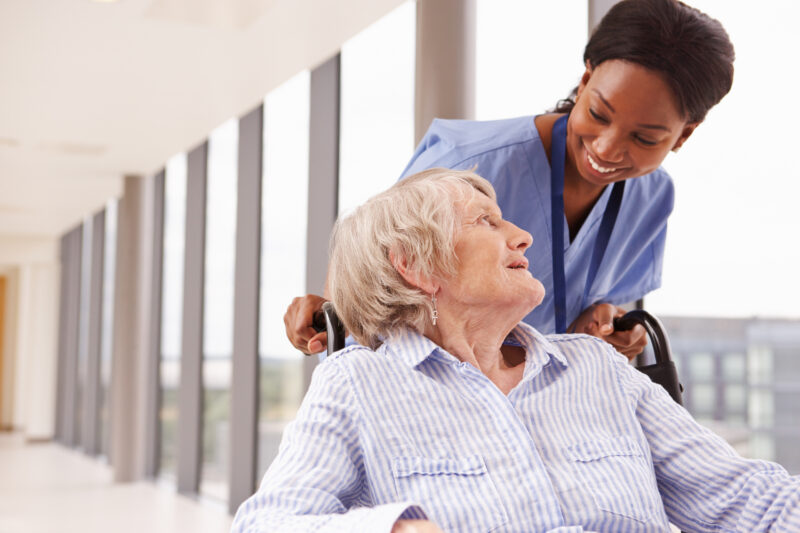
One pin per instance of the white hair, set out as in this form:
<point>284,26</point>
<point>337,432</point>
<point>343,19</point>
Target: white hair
<point>417,219</point>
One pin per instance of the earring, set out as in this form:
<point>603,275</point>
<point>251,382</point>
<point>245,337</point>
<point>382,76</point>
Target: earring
<point>676,149</point>
<point>435,314</point>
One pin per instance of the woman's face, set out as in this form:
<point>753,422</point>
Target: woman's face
<point>624,123</point>
<point>492,268</point>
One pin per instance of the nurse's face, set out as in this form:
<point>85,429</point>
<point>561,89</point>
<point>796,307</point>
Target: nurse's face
<point>624,123</point>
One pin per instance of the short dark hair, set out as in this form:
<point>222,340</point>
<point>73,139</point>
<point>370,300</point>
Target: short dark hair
<point>690,49</point>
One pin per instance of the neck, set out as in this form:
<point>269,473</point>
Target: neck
<point>475,338</point>
<point>577,191</point>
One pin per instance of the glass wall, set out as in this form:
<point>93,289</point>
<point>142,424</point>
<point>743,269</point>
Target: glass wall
<point>731,315</point>
<point>107,322</point>
<point>220,258</point>
<point>172,309</point>
<point>377,106</point>
<point>283,257</point>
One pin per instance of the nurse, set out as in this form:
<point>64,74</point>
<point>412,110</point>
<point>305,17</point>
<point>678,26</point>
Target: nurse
<point>585,180</point>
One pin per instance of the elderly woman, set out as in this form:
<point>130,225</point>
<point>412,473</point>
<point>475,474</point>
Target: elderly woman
<point>453,415</point>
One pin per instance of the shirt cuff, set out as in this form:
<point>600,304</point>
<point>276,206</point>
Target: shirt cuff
<point>383,517</point>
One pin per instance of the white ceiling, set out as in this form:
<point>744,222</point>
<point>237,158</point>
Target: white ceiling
<point>91,92</point>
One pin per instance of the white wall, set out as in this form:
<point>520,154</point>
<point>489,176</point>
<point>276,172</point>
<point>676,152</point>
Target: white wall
<point>36,393</point>
<point>31,266</point>
<point>9,350</point>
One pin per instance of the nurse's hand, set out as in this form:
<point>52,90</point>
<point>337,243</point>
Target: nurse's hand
<point>298,319</point>
<point>415,526</point>
<point>598,320</point>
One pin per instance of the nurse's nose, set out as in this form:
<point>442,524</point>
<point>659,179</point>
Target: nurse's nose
<point>609,147</point>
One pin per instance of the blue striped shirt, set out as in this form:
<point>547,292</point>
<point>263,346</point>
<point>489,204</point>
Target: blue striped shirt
<point>584,442</point>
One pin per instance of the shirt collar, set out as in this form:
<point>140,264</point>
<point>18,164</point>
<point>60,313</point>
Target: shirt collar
<point>409,346</point>
<point>539,349</point>
<point>413,348</point>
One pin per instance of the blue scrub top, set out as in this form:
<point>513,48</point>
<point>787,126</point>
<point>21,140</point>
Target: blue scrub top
<point>509,153</point>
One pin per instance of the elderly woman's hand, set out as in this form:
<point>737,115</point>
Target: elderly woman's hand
<point>415,526</point>
<point>598,320</point>
<point>298,319</point>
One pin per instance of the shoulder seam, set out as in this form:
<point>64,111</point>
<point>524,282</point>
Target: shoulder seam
<point>527,139</point>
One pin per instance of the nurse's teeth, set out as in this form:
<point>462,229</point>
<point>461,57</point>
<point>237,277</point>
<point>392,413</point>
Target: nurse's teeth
<point>598,167</point>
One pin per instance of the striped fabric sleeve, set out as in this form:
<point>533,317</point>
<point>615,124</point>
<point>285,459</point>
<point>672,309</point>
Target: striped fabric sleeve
<point>704,484</point>
<point>317,482</point>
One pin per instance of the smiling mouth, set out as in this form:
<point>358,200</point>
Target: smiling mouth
<point>595,165</point>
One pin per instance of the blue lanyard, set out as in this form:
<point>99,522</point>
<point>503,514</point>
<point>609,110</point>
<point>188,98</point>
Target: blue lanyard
<point>558,155</point>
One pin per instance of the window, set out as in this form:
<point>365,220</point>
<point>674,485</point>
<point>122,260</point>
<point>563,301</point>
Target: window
<point>701,367</point>
<point>107,327</point>
<point>283,257</point>
<point>218,306</point>
<point>172,308</point>
<point>529,55</point>
<point>82,382</point>
<point>377,106</point>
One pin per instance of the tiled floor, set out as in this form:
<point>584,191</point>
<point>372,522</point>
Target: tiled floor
<point>46,488</point>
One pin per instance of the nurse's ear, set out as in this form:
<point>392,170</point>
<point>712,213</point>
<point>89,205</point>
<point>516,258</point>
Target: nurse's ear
<point>688,129</point>
<point>584,79</point>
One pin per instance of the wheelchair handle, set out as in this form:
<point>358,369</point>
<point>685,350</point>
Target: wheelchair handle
<point>326,319</point>
<point>663,371</point>
<point>654,328</point>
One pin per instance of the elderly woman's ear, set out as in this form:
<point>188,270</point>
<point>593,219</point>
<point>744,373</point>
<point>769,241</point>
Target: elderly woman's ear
<point>412,276</point>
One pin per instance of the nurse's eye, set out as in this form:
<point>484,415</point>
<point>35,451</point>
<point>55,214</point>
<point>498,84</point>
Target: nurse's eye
<point>645,141</point>
<point>598,117</point>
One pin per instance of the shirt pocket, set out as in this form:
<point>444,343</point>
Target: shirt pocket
<point>457,493</point>
<point>618,475</point>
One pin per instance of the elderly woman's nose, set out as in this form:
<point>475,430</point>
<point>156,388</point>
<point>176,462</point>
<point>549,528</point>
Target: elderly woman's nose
<point>519,239</point>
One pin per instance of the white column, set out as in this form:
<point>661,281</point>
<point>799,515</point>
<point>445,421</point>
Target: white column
<point>39,381</point>
<point>131,330</point>
<point>34,373</point>
<point>597,10</point>
<point>445,64</point>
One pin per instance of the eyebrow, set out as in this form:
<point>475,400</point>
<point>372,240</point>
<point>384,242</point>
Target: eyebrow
<point>645,126</point>
<point>483,209</point>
